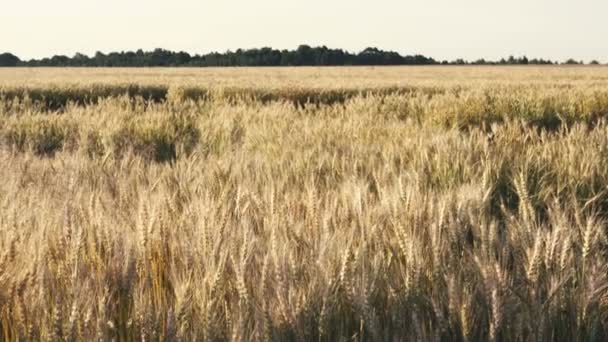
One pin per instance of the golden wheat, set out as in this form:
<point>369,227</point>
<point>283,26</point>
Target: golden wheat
<point>304,204</point>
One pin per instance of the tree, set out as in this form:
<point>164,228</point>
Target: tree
<point>80,59</point>
<point>60,60</point>
<point>523,60</point>
<point>9,60</point>
<point>304,55</point>
<point>370,56</point>
<point>100,59</point>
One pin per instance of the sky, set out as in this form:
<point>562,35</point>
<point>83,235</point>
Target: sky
<point>442,29</point>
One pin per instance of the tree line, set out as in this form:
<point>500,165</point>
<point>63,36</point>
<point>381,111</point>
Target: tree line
<point>304,55</point>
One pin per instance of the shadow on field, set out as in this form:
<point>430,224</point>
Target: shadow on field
<point>55,99</point>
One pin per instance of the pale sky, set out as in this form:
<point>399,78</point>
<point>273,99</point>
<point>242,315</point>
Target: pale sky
<point>442,29</point>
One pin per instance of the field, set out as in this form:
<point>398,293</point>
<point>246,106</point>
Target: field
<point>325,204</point>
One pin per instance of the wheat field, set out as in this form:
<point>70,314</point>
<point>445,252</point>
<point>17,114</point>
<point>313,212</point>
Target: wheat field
<point>308,204</point>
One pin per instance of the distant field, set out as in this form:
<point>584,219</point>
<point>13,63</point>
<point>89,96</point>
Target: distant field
<point>386,203</point>
<point>307,77</point>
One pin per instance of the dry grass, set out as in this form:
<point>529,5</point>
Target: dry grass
<point>469,209</point>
